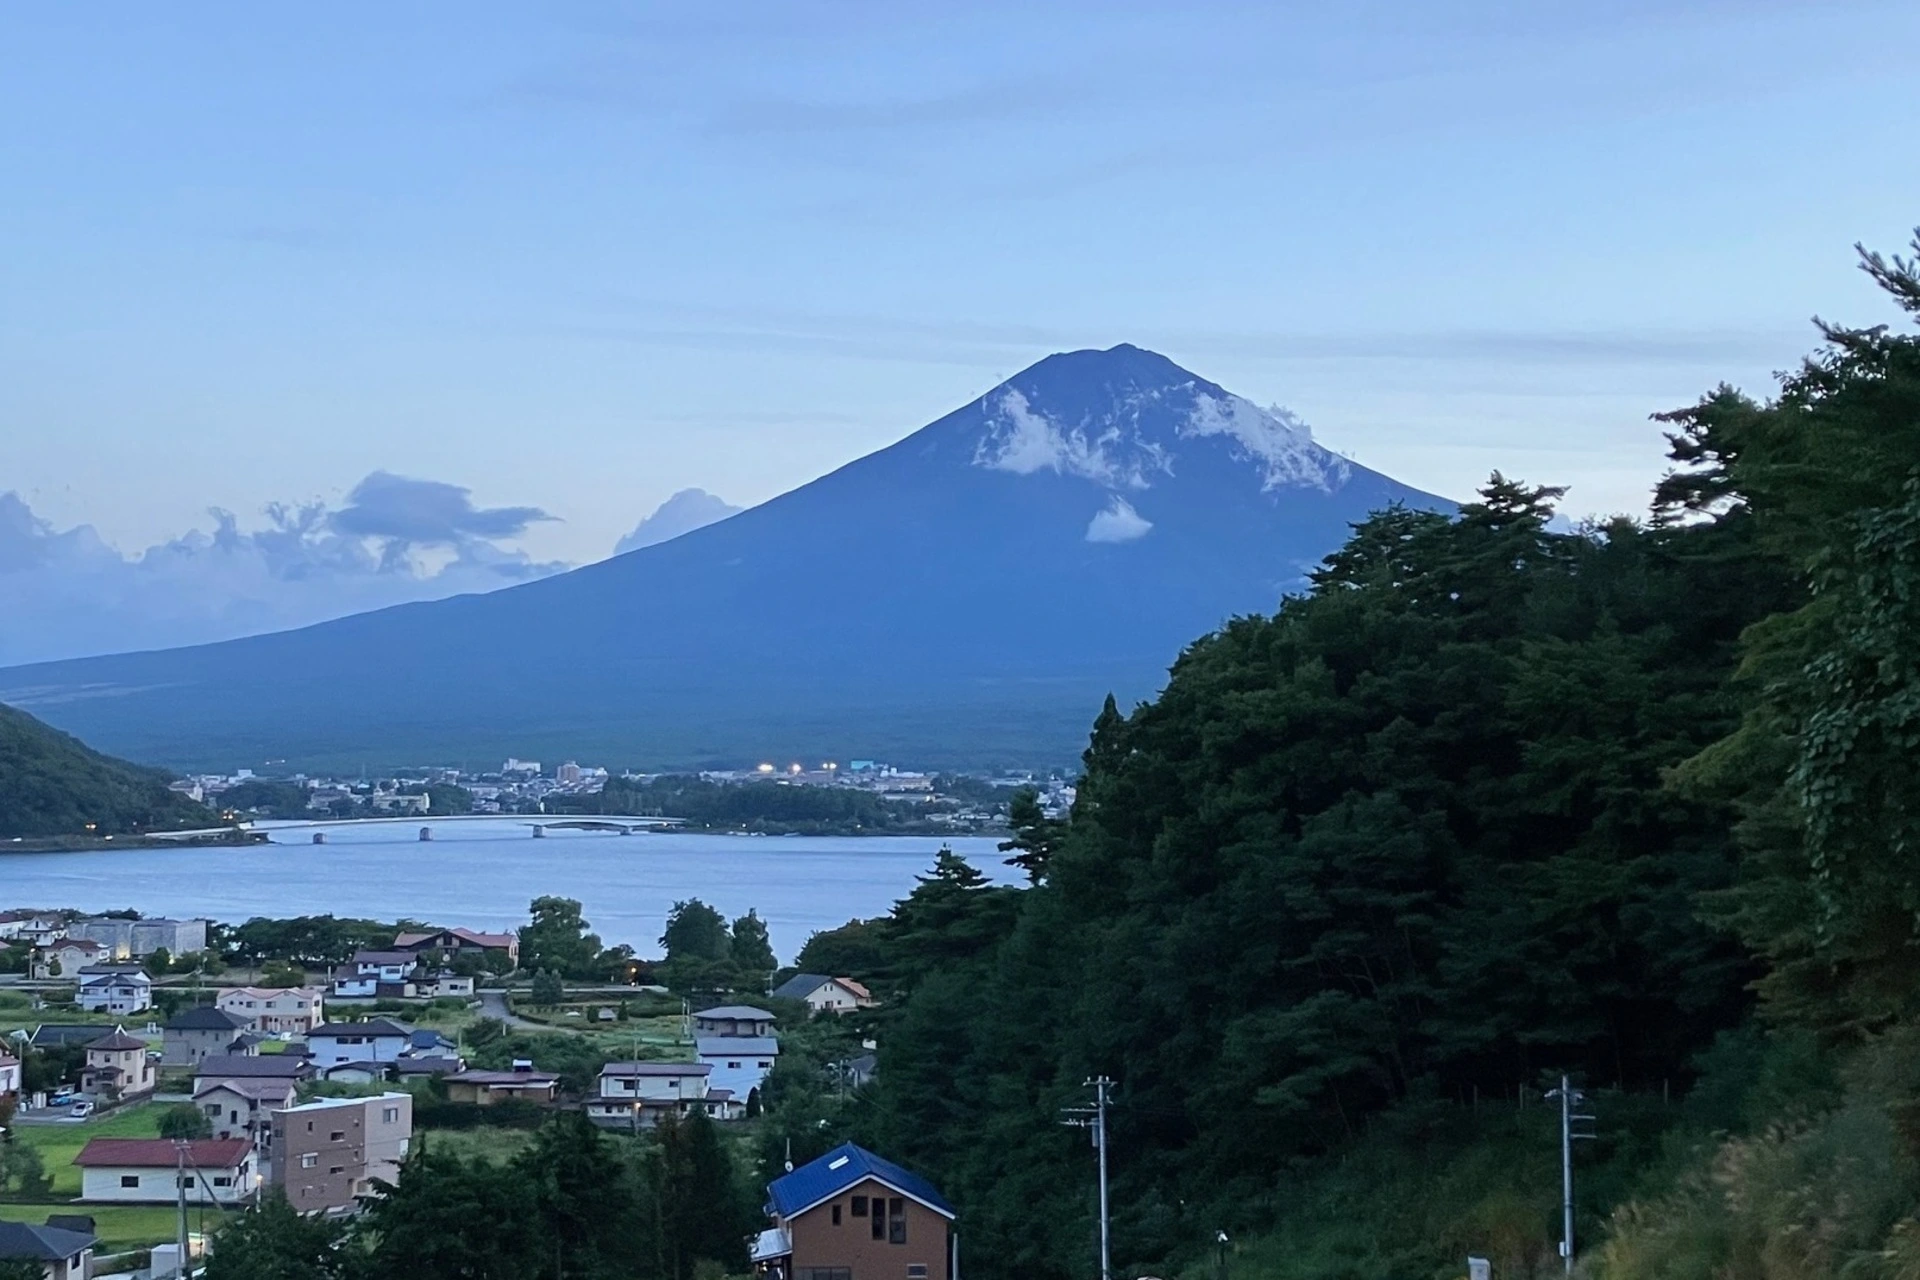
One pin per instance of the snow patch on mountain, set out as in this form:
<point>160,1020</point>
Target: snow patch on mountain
<point>1117,522</point>
<point>1024,440</point>
<point>1276,438</point>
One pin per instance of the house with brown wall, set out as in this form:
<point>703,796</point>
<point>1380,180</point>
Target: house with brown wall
<point>851,1215</point>
<point>328,1154</point>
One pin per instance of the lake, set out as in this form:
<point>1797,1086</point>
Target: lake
<point>482,874</point>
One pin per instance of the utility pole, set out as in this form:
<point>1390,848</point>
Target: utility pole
<point>1095,1118</point>
<point>180,1194</point>
<point>1570,1098</point>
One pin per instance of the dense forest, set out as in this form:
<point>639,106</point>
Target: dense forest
<point>52,784</point>
<point>1486,804</point>
<point>750,806</point>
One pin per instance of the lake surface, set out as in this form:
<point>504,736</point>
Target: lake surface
<point>482,874</point>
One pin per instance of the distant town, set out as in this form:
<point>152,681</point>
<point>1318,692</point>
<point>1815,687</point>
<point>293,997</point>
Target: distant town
<point>827,798</point>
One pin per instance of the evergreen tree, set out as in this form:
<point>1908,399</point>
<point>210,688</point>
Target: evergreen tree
<point>752,949</point>
<point>557,938</point>
<point>272,1242</point>
<point>701,1201</point>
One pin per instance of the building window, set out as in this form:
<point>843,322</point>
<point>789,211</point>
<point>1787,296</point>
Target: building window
<point>336,1135</point>
<point>879,1218</point>
<point>309,1159</point>
<point>824,1273</point>
<point>896,1221</point>
<point>390,1115</point>
<point>836,1215</point>
<point>859,1206</point>
<point>916,1271</point>
<point>129,1179</point>
<point>223,1182</point>
<point>733,1066</point>
<point>337,1169</point>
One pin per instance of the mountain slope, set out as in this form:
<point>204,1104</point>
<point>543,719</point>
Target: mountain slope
<point>966,595</point>
<point>53,784</point>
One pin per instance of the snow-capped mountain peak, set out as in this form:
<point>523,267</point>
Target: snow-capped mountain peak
<point>1092,414</point>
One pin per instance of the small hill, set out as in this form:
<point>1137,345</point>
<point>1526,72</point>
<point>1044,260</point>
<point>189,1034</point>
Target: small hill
<point>52,784</point>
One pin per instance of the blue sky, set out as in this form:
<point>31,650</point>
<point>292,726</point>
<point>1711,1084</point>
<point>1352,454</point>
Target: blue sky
<point>578,257</point>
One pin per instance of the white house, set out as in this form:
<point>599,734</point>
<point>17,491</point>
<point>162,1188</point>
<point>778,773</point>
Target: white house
<point>375,1040</point>
<point>62,1254</point>
<point>377,973</point>
<point>824,994</point>
<point>637,1094</point>
<point>37,927</point>
<point>117,1066</point>
<point>150,1170</point>
<point>9,1074</point>
<point>740,1063</point>
<point>275,1011</point>
<point>113,989</point>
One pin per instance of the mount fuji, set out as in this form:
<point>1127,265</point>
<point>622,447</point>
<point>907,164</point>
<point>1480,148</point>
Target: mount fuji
<point>963,597</point>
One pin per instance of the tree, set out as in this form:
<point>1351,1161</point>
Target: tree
<point>272,1242</point>
<point>857,949</point>
<point>281,973</point>
<point>21,1269</point>
<point>695,931</point>
<point>547,990</point>
<point>158,962</point>
<point>752,949</point>
<point>185,1121</point>
<point>1035,835</point>
<point>556,938</point>
<point>449,1219</point>
<point>22,1171</point>
<point>702,1212</point>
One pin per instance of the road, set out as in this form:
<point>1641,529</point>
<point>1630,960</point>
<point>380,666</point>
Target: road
<point>494,1005</point>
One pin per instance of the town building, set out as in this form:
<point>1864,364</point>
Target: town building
<point>489,1088</point>
<point>851,1215</point>
<point>740,1063</point>
<point>456,942</point>
<point>117,1067</point>
<point>137,939</point>
<point>733,1020</point>
<point>35,927</point>
<point>66,957</point>
<point>156,1171</point>
<point>377,973</point>
<point>824,994</point>
<point>637,1095</point>
<point>196,1034</point>
<point>328,1154</point>
<point>240,1107</point>
<point>118,990</point>
<point>10,1074</point>
<point>63,1254</point>
<point>291,1067</point>
<point>280,1012</point>
<point>376,1040</point>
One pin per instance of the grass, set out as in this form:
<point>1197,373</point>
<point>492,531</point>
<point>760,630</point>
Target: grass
<point>121,1227</point>
<point>495,1145</point>
<point>58,1144</point>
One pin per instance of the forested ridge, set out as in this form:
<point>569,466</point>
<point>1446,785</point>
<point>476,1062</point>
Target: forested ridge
<point>52,784</point>
<point>1486,804</point>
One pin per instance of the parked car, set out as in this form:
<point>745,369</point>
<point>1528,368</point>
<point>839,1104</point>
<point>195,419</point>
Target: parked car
<point>61,1097</point>
<point>81,1109</point>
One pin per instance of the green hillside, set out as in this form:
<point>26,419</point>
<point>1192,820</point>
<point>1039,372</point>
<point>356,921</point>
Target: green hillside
<point>52,784</point>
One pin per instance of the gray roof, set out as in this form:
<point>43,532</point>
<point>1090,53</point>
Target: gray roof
<point>255,1088</point>
<point>50,1033</point>
<point>656,1069</point>
<point>407,958</point>
<point>428,1066</point>
<point>736,1046</point>
<point>204,1017</point>
<point>371,1027</point>
<point>802,985</point>
<point>736,1013</point>
<point>45,1244</point>
<point>230,1066</point>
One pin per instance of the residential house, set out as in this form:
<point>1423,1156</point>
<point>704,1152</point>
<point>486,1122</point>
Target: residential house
<point>329,1153</point>
<point>824,994</point>
<point>445,982</point>
<point>637,1094</point>
<point>377,973</point>
<point>740,1063</point>
<point>423,1042</point>
<point>9,1074</point>
<point>457,942</point>
<point>66,957</point>
<point>733,1020</point>
<point>275,1011</point>
<point>114,989</point>
<point>851,1215</point>
<point>487,1088</point>
<point>240,1107</point>
<point>427,1068</point>
<point>157,1170</point>
<point>398,802</point>
<point>198,1033</point>
<point>62,1254</point>
<point>265,1066</point>
<point>117,1067</point>
<point>36,927</point>
<point>376,1040</point>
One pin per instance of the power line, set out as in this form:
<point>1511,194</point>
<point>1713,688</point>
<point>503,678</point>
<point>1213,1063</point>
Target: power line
<point>1095,1118</point>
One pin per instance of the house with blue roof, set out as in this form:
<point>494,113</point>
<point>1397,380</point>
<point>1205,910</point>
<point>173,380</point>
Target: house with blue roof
<point>851,1215</point>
